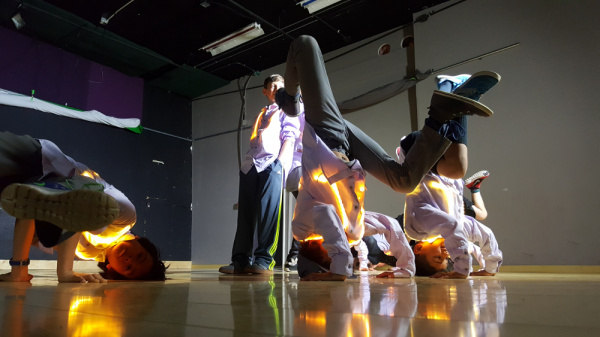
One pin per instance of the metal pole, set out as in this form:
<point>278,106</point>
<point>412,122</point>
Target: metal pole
<point>476,58</point>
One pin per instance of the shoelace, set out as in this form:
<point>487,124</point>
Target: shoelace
<point>87,186</point>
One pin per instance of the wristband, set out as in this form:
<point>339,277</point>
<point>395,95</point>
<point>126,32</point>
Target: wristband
<point>18,263</point>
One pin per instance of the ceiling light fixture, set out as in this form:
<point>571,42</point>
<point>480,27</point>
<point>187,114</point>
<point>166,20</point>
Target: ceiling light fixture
<point>17,19</point>
<point>234,39</point>
<point>316,5</point>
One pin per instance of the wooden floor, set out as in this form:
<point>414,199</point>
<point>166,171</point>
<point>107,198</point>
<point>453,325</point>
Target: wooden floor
<point>206,303</point>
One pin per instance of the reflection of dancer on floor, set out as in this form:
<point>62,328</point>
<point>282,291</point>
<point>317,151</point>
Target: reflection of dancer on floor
<point>356,309</point>
<point>331,198</point>
<point>482,301</point>
<point>434,212</point>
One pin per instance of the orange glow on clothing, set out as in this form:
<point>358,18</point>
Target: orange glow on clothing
<point>313,237</point>
<point>106,239</point>
<point>255,130</point>
<point>258,119</point>
<point>440,189</point>
<point>89,174</point>
<point>339,205</point>
<point>109,236</point>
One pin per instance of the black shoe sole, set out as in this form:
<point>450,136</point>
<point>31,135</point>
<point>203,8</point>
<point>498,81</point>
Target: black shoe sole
<point>448,106</point>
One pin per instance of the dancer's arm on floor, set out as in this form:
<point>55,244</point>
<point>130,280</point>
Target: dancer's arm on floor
<point>23,234</point>
<point>65,260</point>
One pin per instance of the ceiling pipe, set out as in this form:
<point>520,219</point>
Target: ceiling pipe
<point>79,27</point>
<point>338,31</point>
<point>268,37</point>
<point>258,18</point>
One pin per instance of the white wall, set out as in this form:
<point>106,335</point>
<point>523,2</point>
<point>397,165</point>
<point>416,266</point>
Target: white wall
<point>538,146</point>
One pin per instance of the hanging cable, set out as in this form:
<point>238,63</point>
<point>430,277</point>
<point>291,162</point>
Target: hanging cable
<point>104,20</point>
<point>242,92</point>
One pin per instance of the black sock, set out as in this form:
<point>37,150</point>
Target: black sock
<point>462,137</point>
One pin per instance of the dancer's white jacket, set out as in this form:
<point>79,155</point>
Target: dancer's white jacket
<point>435,208</point>
<point>330,204</point>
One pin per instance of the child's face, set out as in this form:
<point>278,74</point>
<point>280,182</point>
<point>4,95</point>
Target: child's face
<point>129,259</point>
<point>435,253</point>
<point>271,90</point>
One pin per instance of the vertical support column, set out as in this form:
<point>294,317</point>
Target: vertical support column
<point>408,44</point>
<point>286,225</point>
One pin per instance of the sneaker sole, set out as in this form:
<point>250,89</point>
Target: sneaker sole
<point>478,84</point>
<point>486,73</point>
<point>481,175</point>
<point>76,210</point>
<point>445,101</point>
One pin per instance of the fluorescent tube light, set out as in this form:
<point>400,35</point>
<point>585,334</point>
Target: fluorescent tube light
<point>316,5</point>
<point>234,39</point>
<point>17,19</point>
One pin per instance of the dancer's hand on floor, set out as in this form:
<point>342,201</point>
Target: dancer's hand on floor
<point>74,277</point>
<point>482,272</point>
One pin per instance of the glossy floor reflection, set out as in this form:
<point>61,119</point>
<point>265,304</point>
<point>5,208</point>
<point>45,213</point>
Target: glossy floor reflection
<point>205,303</point>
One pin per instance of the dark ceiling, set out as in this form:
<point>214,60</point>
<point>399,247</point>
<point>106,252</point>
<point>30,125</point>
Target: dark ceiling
<point>160,40</point>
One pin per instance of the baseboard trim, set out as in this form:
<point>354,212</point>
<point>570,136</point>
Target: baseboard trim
<point>503,269</point>
<point>89,265</point>
<point>551,269</point>
<point>207,266</point>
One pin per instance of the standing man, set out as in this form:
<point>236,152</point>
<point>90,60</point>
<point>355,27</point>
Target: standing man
<point>261,182</point>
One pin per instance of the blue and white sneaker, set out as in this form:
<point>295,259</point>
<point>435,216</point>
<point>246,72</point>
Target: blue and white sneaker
<point>76,204</point>
<point>477,85</point>
<point>449,83</point>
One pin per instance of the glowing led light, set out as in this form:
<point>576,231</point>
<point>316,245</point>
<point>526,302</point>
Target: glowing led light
<point>313,237</point>
<point>432,240</point>
<point>320,178</point>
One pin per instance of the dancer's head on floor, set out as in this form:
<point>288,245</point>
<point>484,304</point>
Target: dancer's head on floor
<point>136,259</point>
<point>313,258</point>
<point>431,257</point>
